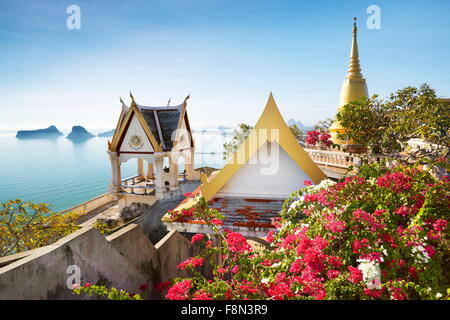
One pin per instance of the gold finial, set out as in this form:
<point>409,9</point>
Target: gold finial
<point>132,99</point>
<point>354,68</point>
<point>185,99</point>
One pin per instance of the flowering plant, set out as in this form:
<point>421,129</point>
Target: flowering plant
<point>101,291</point>
<point>382,234</point>
<point>323,138</point>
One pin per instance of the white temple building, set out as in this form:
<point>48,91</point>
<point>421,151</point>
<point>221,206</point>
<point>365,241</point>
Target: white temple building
<point>159,138</point>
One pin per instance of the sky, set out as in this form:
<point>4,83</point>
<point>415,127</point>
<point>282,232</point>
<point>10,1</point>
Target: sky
<point>228,55</point>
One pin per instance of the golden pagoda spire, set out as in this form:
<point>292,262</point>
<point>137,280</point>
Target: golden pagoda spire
<point>354,86</point>
<point>354,69</point>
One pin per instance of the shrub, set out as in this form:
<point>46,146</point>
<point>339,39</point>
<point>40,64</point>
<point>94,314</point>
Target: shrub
<point>382,234</point>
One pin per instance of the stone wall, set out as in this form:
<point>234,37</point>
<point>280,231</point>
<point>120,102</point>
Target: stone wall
<point>125,260</point>
<point>151,221</point>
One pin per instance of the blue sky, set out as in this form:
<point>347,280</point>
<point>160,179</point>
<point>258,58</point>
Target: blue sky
<point>227,54</point>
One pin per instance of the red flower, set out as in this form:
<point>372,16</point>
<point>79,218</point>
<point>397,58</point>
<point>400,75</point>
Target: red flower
<point>333,274</point>
<point>356,275</point>
<point>237,243</point>
<point>373,293</point>
<point>312,137</point>
<point>87,285</point>
<point>191,262</point>
<point>188,194</point>
<point>179,291</point>
<point>197,237</point>
<point>143,287</point>
<point>161,286</point>
<point>217,222</point>
<point>307,182</point>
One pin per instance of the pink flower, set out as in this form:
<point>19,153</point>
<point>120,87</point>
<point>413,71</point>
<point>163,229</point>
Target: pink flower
<point>403,211</point>
<point>356,275</point>
<point>188,194</point>
<point>87,285</point>
<point>179,291</point>
<point>237,243</point>
<point>312,137</point>
<point>235,269</point>
<point>307,182</point>
<point>76,286</point>
<point>208,244</point>
<point>269,237</point>
<point>191,262</point>
<point>197,237</point>
<point>202,295</point>
<point>373,293</point>
<point>430,251</point>
<point>440,225</point>
<point>333,274</point>
<point>217,222</point>
<point>221,270</point>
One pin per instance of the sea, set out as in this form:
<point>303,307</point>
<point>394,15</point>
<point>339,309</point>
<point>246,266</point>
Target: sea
<point>63,173</point>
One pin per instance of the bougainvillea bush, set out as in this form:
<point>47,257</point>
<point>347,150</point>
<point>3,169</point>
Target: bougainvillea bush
<point>382,234</point>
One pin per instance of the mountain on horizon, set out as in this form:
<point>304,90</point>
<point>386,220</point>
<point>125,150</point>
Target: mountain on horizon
<point>50,132</point>
<point>79,133</point>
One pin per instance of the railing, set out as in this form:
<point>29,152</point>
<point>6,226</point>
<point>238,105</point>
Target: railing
<point>338,159</point>
<point>332,158</point>
<point>129,186</point>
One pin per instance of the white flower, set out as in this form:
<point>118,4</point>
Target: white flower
<point>294,205</point>
<point>438,295</point>
<point>420,255</point>
<point>265,281</point>
<point>276,265</point>
<point>371,273</point>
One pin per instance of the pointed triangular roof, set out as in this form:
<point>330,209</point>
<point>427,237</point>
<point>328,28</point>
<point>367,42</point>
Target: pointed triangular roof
<point>125,122</point>
<point>159,123</point>
<point>271,118</point>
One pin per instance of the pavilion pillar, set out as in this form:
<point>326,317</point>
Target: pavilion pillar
<point>140,168</point>
<point>173,174</point>
<point>116,179</point>
<point>150,171</point>
<point>189,164</point>
<point>159,183</point>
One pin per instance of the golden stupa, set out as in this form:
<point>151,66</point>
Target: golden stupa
<point>353,88</point>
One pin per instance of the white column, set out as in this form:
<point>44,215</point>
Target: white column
<point>159,183</point>
<point>150,171</point>
<point>116,178</point>
<point>140,168</point>
<point>173,173</point>
<point>189,165</point>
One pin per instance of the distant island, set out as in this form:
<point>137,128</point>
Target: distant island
<point>221,128</point>
<point>106,134</point>
<point>300,125</point>
<point>50,132</point>
<point>79,133</point>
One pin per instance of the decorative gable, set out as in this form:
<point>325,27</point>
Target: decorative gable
<point>135,139</point>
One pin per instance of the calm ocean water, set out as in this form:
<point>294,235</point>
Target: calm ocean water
<point>63,173</point>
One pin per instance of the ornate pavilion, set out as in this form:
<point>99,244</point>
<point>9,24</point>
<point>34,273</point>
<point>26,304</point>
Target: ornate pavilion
<point>159,138</point>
